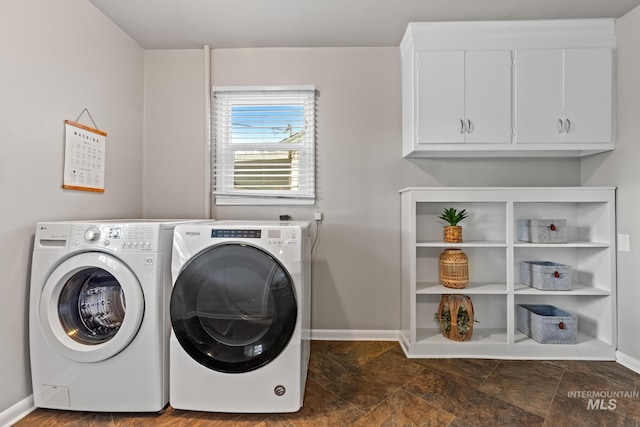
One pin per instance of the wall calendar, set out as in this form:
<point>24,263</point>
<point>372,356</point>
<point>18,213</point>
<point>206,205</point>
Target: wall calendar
<point>84,157</point>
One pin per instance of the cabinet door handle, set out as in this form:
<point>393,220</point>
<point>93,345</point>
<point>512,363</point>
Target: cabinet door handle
<point>462,129</point>
<point>560,126</point>
<point>567,125</point>
<point>469,126</point>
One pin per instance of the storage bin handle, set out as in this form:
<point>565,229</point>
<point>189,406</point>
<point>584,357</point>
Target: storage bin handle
<point>561,325</point>
<point>556,274</point>
<point>552,227</point>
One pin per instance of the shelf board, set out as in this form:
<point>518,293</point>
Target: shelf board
<point>576,289</point>
<point>465,244</point>
<point>424,288</point>
<point>575,244</point>
<point>492,343</point>
<point>483,343</point>
<point>480,336</point>
<point>586,347</point>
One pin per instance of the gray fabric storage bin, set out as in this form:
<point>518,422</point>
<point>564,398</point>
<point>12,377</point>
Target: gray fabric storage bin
<point>546,275</point>
<point>547,324</point>
<point>542,230</point>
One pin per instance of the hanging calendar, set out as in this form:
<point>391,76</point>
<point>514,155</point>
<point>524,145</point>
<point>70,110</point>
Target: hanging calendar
<point>84,157</point>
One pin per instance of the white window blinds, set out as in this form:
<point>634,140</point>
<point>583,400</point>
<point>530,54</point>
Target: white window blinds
<point>264,145</point>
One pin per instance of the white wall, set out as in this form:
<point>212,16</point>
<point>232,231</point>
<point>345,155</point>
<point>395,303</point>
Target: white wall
<point>56,58</point>
<point>620,168</point>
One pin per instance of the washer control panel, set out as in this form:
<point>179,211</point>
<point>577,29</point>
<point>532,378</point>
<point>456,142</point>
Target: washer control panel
<point>117,237</point>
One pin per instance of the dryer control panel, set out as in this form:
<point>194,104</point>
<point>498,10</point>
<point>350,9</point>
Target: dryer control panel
<point>285,242</point>
<point>271,236</point>
<point>242,233</point>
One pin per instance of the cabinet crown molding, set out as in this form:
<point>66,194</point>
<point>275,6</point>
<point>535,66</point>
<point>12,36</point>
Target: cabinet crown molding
<point>541,34</point>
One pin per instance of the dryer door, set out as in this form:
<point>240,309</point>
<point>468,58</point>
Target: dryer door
<point>233,308</point>
<point>91,307</point>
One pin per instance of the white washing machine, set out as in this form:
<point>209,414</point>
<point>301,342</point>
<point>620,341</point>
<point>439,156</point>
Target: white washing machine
<point>240,316</point>
<point>98,317</point>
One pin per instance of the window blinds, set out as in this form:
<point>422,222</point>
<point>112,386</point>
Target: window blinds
<point>264,143</point>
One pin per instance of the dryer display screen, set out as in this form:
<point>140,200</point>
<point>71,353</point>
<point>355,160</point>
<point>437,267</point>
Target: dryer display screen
<point>235,233</point>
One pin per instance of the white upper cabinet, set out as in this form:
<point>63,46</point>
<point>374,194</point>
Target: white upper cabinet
<point>563,96</point>
<point>440,87</point>
<point>464,97</point>
<point>508,88</point>
<point>588,95</point>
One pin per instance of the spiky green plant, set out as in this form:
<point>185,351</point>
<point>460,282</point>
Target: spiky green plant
<point>453,216</point>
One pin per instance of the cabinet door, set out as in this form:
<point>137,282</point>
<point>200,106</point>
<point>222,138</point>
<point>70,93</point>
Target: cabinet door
<point>440,97</point>
<point>539,96</point>
<point>588,95</point>
<point>488,96</point>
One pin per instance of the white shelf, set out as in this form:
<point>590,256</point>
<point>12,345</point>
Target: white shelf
<point>485,343</point>
<point>562,245</point>
<point>465,244</point>
<point>489,240</point>
<point>576,289</point>
<point>480,336</point>
<point>470,289</point>
<point>586,347</point>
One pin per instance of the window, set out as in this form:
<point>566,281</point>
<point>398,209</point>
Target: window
<point>264,142</point>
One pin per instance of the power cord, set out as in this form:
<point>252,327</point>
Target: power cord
<point>315,240</point>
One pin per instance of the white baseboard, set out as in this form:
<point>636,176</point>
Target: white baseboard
<point>628,361</point>
<point>17,412</point>
<point>354,335</point>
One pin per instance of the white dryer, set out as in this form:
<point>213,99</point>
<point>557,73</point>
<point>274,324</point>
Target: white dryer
<point>240,315</point>
<point>98,316</point>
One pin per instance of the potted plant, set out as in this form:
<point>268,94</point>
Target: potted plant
<point>453,232</point>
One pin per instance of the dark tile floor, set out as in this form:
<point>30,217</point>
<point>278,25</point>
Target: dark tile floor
<point>365,383</point>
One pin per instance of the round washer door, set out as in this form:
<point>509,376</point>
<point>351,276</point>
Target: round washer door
<point>91,307</point>
<point>233,308</point>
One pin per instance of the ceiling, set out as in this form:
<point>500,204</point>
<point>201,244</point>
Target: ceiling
<point>180,24</point>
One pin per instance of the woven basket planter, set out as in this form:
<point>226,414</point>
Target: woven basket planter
<point>453,234</point>
<point>454,268</point>
<point>455,317</point>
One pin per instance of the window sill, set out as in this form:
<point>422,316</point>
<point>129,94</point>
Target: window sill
<point>261,201</point>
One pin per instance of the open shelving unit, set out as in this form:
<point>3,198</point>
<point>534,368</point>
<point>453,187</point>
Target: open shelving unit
<point>490,242</point>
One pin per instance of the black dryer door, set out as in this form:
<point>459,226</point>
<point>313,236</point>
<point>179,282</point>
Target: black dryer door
<point>233,308</point>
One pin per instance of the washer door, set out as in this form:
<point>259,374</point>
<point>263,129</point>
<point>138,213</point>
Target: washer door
<point>233,308</point>
<point>91,307</point>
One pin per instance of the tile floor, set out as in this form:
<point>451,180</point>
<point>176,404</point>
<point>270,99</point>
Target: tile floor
<point>366,383</point>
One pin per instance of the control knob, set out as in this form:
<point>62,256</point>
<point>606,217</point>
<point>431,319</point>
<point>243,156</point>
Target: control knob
<point>92,234</point>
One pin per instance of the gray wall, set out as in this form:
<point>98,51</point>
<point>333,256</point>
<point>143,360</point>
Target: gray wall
<point>56,58</point>
<point>356,276</point>
<point>620,168</point>
<point>174,128</point>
